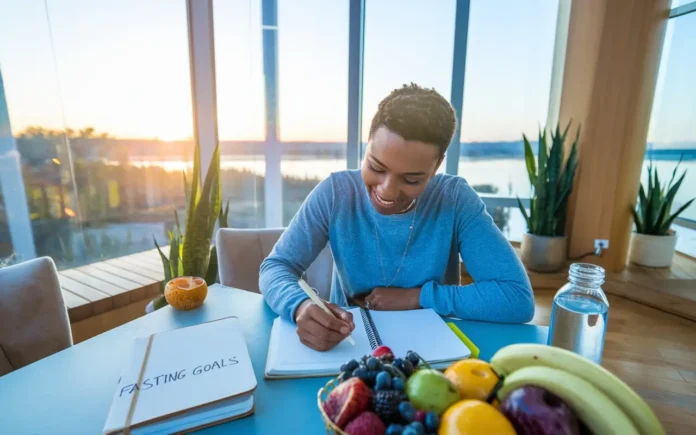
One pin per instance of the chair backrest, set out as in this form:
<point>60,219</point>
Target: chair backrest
<point>241,252</point>
<point>34,321</point>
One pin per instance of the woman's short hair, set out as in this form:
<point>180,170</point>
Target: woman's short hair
<point>417,113</point>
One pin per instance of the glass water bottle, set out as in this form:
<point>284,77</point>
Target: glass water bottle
<point>579,313</point>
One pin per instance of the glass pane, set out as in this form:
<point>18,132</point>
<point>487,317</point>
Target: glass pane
<point>672,133</point>
<point>100,109</point>
<point>313,94</point>
<point>506,89</point>
<point>406,42</point>
<point>240,98</point>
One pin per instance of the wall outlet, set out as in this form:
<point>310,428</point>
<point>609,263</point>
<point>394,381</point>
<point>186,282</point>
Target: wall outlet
<point>602,244</point>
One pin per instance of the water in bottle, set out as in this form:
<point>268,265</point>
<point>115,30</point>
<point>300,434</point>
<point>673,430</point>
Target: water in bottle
<point>579,313</point>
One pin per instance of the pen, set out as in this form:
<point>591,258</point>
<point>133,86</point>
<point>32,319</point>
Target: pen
<point>317,300</point>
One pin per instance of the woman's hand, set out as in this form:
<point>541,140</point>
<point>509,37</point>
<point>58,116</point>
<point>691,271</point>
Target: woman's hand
<point>318,329</point>
<point>394,299</point>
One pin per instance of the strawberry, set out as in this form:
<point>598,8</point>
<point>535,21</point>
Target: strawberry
<point>383,352</point>
<point>347,401</point>
<point>367,423</point>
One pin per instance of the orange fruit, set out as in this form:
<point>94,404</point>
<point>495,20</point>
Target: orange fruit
<point>186,292</point>
<point>475,379</point>
<point>474,417</point>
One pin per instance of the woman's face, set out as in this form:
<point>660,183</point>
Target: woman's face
<point>396,171</point>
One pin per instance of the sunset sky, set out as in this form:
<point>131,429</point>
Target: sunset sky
<point>123,66</point>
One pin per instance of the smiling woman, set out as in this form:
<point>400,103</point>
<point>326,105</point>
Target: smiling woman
<point>397,229</point>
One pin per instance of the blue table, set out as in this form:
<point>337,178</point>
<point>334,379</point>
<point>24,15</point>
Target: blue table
<point>70,392</point>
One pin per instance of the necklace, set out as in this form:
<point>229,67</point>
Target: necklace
<point>379,250</point>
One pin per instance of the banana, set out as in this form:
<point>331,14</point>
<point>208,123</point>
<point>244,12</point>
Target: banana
<point>514,357</point>
<point>593,407</point>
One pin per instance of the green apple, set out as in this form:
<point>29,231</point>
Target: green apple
<point>430,390</point>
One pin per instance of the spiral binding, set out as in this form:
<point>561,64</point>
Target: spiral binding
<point>371,329</point>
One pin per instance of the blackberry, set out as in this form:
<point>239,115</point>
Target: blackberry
<point>386,405</point>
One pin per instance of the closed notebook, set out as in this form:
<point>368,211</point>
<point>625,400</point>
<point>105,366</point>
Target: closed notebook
<point>184,379</point>
<point>422,331</point>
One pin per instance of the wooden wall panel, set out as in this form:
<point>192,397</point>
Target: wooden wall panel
<point>612,56</point>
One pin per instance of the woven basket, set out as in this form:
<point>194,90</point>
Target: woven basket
<point>331,428</point>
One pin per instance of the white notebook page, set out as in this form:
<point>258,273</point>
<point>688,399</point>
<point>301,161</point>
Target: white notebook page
<point>422,331</point>
<point>287,355</point>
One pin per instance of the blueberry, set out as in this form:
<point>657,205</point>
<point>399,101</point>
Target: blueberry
<point>383,381</point>
<point>413,357</point>
<point>398,364</point>
<point>398,384</point>
<point>407,411</point>
<point>408,367</point>
<point>350,366</point>
<point>394,429</point>
<point>361,374</point>
<point>431,421</point>
<point>408,430</point>
<point>374,364</point>
<point>345,376</point>
<point>417,428</point>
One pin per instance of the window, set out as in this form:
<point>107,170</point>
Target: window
<point>506,93</point>
<point>99,104</point>
<point>672,133</point>
<point>313,95</point>
<point>240,104</point>
<point>406,42</point>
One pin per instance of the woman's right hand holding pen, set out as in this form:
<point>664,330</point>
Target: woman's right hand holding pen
<point>318,329</point>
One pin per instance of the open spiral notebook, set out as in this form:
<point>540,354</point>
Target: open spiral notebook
<point>422,331</point>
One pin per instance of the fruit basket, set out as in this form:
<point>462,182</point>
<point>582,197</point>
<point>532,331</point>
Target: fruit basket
<point>524,389</point>
<point>324,392</point>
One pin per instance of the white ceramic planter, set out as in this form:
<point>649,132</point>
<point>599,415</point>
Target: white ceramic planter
<point>544,254</point>
<point>652,251</point>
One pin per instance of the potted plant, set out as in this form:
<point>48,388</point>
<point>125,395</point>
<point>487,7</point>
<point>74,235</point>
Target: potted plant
<point>190,252</point>
<point>545,245</point>
<point>653,242</point>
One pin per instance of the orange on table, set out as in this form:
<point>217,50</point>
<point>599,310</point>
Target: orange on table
<point>474,378</point>
<point>474,417</point>
<point>186,292</point>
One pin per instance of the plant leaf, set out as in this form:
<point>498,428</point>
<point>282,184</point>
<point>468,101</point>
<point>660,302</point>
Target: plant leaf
<point>524,213</point>
<point>212,272</point>
<point>194,191</point>
<point>665,226</point>
<point>200,229</point>
<point>165,265</point>
<point>540,188</point>
<point>554,171</point>
<point>529,160</point>
<point>174,254</point>
<point>674,172</point>
<point>637,220</point>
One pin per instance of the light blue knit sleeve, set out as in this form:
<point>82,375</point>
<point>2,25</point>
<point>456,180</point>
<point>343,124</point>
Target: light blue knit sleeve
<point>299,245</point>
<point>501,291</point>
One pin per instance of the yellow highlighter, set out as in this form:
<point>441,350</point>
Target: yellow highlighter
<point>467,342</point>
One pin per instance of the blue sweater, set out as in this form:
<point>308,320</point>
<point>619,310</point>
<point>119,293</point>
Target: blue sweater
<point>450,220</point>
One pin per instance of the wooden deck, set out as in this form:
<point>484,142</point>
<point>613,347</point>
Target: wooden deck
<point>103,295</point>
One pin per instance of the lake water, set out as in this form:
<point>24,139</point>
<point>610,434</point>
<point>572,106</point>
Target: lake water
<point>508,175</point>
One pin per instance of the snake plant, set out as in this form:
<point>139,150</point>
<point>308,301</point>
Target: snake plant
<point>551,182</point>
<point>652,213</point>
<point>190,252</point>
